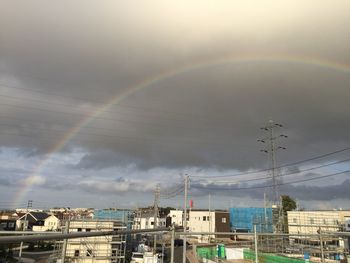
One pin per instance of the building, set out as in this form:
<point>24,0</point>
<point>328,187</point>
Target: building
<point>124,215</point>
<point>176,217</point>
<point>51,223</point>
<point>243,219</point>
<point>33,219</point>
<point>309,222</point>
<point>203,221</point>
<point>8,220</point>
<point>7,224</point>
<point>209,221</point>
<point>101,249</point>
<point>315,222</point>
<point>144,219</point>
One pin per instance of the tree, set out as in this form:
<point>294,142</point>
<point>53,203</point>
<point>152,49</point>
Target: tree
<point>288,204</point>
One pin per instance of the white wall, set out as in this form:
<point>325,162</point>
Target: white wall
<point>148,222</point>
<point>52,223</point>
<point>176,217</point>
<point>234,253</point>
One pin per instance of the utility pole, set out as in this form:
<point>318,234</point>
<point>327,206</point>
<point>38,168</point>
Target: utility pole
<point>271,149</point>
<point>321,245</point>
<point>265,212</point>
<point>25,226</point>
<point>256,245</point>
<point>172,243</point>
<point>156,201</point>
<point>185,220</point>
<point>65,242</point>
<point>209,210</point>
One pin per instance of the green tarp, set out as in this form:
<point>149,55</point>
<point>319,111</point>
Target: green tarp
<point>269,258</point>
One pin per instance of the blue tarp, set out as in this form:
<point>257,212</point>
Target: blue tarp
<point>244,218</point>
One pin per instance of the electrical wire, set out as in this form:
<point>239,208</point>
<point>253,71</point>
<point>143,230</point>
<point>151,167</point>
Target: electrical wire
<point>74,107</point>
<point>120,137</point>
<point>115,120</point>
<point>98,103</point>
<point>281,175</point>
<point>268,186</point>
<point>278,167</point>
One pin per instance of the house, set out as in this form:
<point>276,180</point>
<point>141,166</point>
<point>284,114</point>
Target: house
<point>100,249</point>
<point>209,221</point>
<point>176,217</point>
<point>203,221</point>
<point>144,219</point>
<point>9,215</point>
<point>8,220</point>
<point>7,224</point>
<point>33,219</point>
<point>51,223</point>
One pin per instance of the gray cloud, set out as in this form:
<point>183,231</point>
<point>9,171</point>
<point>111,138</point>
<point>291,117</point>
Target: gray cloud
<point>300,192</point>
<point>79,55</point>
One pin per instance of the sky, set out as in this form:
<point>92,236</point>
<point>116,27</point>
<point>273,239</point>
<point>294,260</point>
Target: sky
<point>102,101</point>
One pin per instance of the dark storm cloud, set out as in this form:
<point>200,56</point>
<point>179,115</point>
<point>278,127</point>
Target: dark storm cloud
<point>86,52</point>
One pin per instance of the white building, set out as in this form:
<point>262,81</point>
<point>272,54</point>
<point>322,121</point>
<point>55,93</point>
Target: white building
<point>312,222</point>
<point>202,221</point>
<point>309,222</point>
<point>176,217</point>
<point>144,219</point>
<point>101,249</point>
<point>51,223</point>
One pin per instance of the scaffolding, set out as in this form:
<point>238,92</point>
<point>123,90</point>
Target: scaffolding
<point>99,249</point>
<point>243,219</point>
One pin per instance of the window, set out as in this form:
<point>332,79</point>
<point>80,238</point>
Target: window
<point>208,218</point>
<point>88,230</point>
<point>79,229</point>
<point>152,223</point>
<point>76,253</point>
<point>311,221</point>
<point>294,220</point>
<point>324,221</point>
<point>204,218</point>
<point>114,253</point>
<point>89,253</point>
<point>223,220</point>
<point>348,225</point>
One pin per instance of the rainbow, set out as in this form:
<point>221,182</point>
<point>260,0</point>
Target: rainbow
<point>162,76</point>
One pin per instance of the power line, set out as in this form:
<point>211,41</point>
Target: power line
<point>268,186</point>
<point>100,103</point>
<point>120,137</point>
<point>50,103</point>
<point>80,139</point>
<point>286,174</point>
<point>278,167</point>
<point>205,139</point>
<point>116,120</point>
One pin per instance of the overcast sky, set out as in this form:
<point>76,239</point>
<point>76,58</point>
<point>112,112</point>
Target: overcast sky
<point>234,64</point>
